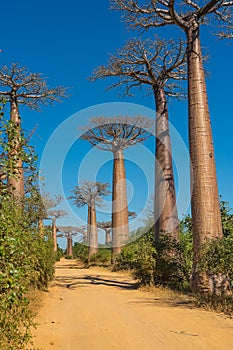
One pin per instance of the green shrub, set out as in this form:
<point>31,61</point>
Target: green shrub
<point>80,251</point>
<point>216,259</point>
<point>69,257</point>
<point>15,277</point>
<point>126,259</point>
<point>103,257</point>
<point>44,263</point>
<point>216,256</point>
<point>139,257</point>
<point>174,262</point>
<point>145,261</point>
<point>227,219</point>
<point>166,262</point>
<point>59,254</point>
<point>26,260</point>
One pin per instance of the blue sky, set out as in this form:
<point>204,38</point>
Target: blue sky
<point>65,41</point>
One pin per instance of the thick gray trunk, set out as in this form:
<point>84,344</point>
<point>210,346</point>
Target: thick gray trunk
<point>166,216</point>
<point>69,245</point>
<point>206,218</point>
<point>120,226</point>
<point>107,235</point>
<point>93,236</point>
<point>16,182</point>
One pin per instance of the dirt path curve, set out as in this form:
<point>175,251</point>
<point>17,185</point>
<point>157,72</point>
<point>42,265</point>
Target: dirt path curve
<point>93,309</point>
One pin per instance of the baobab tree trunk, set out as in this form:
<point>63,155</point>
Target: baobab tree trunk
<point>166,216</point>
<point>54,228</point>
<point>120,226</point>
<point>85,238</point>
<point>93,236</point>
<point>16,182</point>
<point>69,245</point>
<point>107,236</point>
<point>206,218</point>
<point>88,222</point>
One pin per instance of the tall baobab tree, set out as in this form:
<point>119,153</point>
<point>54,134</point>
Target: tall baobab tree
<point>115,135</point>
<point>90,194</point>
<point>20,87</point>
<point>8,161</point>
<point>189,15</point>
<point>157,65</point>
<point>54,215</point>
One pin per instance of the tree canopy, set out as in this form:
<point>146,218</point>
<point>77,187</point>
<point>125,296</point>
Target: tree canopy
<point>30,89</point>
<point>118,133</point>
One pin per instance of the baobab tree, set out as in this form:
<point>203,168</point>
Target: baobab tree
<point>83,231</point>
<point>189,16</point>
<point>44,202</point>
<point>20,87</point>
<point>69,232</point>
<point>107,227</point>
<point>115,135</point>
<point>54,215</point>
<point>156,65</point>
<point>90,194</point>
<point>8,148</point>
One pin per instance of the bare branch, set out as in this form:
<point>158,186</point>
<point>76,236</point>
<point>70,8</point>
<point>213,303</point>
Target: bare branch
<point>153,63</point>
<point>55,214</point>
<point>68,230</point>
<point>193,4</point>
<point>158,13</point>
<point>113,134</point>
<point>89,193</point>
<point>104,225</point>
<point>28,88</point>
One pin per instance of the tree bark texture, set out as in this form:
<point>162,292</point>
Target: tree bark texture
<point>120,226</point>
<point>166,216</point>
<point>107,235</point>
<point>69,245</point>
<point>85,238</point>
<point>93,236</point>
<point>88,222</point>
<point>205,206</point>
<point>16,183</point>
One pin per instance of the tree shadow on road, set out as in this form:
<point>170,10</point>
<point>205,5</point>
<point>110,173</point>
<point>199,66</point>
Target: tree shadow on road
<point>75,282</point>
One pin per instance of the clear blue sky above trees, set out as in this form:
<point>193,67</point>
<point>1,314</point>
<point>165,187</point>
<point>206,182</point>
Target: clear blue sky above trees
<point>66,40</point>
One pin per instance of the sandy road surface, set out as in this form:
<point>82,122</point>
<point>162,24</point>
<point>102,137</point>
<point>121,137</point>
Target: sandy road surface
<point>93,309</point>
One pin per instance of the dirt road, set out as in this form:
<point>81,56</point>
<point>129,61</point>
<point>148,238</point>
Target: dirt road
<point>93,309</point>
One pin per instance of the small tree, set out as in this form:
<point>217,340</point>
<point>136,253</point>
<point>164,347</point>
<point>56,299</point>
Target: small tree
<point>19,86</point>
<point>48,202</point>
<point>69,232</point>
<point>156,65</point>
<point>83,231</point>
<point>107,227</point>
<point>39,204</point>
<point>90,194</point>
<point>115,135</point>
<point>54,215</point>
